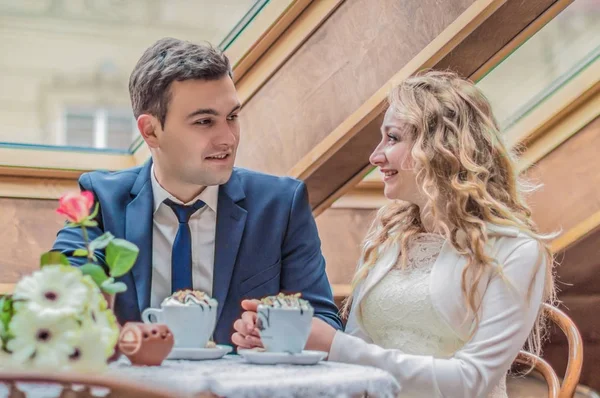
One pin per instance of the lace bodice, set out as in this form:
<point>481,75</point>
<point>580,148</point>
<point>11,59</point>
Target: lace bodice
<point>398,312</point>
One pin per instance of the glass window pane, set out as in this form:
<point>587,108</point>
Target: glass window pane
<point>552,56</point>
<point>78,54</point>
<point>79,129</point>
<point>120,131</point>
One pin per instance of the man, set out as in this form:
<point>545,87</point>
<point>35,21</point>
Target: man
<point>199,222</point>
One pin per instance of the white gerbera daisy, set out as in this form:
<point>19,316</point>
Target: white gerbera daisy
<point>42,342</point>
<point>87,355</point>
<point>95,298</point>
<point>54,291</point>
<point>105,322</point>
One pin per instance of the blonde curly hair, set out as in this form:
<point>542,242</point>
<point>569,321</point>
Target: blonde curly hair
<point>466,174</point>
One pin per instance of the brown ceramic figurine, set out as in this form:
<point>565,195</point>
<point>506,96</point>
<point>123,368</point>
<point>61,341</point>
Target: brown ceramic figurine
<point>145,343</point>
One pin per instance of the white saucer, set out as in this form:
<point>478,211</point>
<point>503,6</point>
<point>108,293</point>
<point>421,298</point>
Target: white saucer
<point>198,354</point>
<point>272,358</point>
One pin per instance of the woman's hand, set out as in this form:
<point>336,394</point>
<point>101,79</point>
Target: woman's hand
<point>246,334</point>
<point>321,336</point>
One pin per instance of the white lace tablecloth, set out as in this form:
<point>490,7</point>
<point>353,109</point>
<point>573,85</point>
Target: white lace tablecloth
<point>232,376</point>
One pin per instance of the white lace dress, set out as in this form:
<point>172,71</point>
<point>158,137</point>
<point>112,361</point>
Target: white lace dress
<point>398,312</point>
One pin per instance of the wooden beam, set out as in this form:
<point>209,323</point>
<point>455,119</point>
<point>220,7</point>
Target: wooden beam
<point>244,50</point>
<point>282,14</point>
<point>48,173</point>
<point>29,159</point>
<point>575,234</point>
<point>35,188</point>
<point>313,14</point>
<point>570,190</point>
<point>551,135</point>
<point>30,172</point>
<point>339,162</point>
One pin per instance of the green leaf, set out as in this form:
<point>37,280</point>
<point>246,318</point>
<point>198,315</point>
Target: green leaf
<point>6,311</point>
<point>80,253</point>
<point>113,287</point>
<point>95,212</point>
<point>101,242</point>
<point>89,223</point>
<point>120,256</point>
<point>95,271</point>
<point>53,258</point>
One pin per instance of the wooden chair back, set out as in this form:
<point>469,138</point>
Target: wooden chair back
<point>575,360</point>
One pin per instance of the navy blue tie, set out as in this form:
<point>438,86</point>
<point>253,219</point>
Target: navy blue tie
<point>181,256</point>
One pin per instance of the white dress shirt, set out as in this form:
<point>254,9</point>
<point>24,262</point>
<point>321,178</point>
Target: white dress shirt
<point>203,225</point>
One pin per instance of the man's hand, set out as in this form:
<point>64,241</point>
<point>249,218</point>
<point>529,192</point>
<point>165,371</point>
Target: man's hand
<point>246,335</point>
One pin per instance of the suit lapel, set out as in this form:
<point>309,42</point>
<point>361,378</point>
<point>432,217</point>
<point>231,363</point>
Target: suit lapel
<point>231,220</point>
<point>138,230</point>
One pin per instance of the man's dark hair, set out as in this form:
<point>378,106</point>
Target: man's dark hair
<point>170,60</point>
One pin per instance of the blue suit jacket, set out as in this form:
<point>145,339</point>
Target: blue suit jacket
<point>266,242</point>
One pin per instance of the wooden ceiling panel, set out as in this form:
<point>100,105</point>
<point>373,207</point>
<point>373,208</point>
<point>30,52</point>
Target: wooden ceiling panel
<point>352,55</point>
<point>570,190</point>
<point>29,229</point>
<point>578,267</point>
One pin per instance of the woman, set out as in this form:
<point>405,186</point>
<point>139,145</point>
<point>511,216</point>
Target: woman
<point>452,278</point>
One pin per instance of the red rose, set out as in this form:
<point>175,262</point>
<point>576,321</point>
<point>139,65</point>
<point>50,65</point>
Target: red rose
<point>76,206</point>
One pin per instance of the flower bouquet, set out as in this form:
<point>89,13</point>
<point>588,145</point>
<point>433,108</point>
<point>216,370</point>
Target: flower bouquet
<point>59,317</point>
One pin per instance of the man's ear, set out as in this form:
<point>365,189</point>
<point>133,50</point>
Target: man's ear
<point>149,127</point>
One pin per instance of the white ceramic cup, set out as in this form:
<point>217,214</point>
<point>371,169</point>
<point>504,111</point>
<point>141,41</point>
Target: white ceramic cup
<point>284,329</point>
<point>192,326</point>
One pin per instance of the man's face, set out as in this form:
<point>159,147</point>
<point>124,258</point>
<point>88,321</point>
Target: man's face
<point>201,132</point>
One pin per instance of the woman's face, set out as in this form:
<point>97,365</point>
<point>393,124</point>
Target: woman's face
<point>393,158</point>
